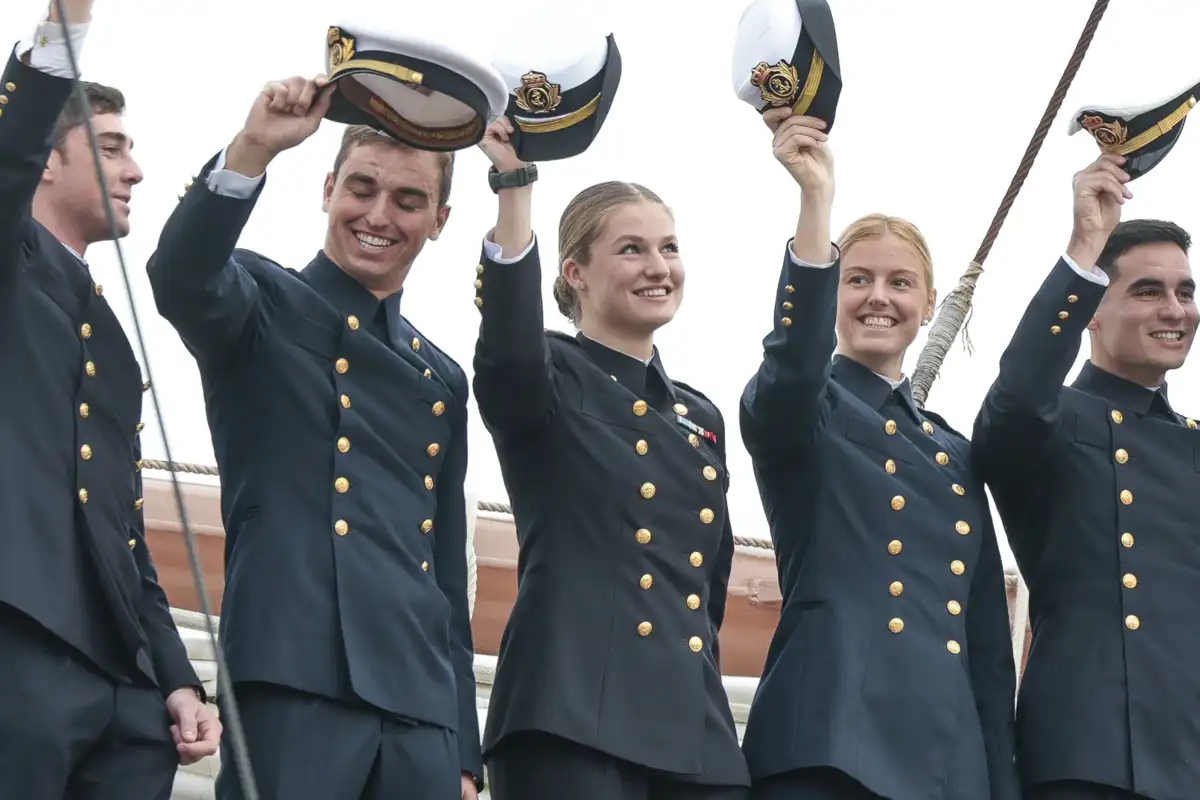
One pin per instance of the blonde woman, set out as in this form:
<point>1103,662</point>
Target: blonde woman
<point>608,685</point>
<point>890,674</point>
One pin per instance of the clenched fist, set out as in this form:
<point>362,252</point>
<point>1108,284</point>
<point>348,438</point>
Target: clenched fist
<point>801,145</point>
<point>284,114</point>
<point>1099,192</point>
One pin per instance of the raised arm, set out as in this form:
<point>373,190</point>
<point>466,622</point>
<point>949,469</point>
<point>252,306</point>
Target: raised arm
<point>781,406</point>
<point>34,91</point>
<point>514,385</point>
<point>199,287</point>
<point>450,570</point>
<point>1020,413</point>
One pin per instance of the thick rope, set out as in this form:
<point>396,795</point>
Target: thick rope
<point>956,307</point>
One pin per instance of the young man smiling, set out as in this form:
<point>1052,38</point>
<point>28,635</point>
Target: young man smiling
<point>341,436</point>
<point>1098,485</point>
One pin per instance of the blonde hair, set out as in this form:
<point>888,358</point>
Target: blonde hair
<point>874,226</point>
<point>579,227</point>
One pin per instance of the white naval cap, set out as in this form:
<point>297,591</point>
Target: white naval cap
<point>420,89</point>
<point>1143,134</point>
<point>785,53</point>
<point>561,74</point>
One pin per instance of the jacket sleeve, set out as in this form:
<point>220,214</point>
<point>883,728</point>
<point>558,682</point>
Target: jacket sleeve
<point>1020,413</point>
<point>514,379</point>
<point>718,585</point>
<point>210,299</point>
<point>167,651</point>
<point>450,570</point>
<point>992,671</point>
<point>32,102</point>
<point>782,406</point>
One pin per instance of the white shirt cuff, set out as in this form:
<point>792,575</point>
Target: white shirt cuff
<point>494,251</point>
<point>228,183</point>
<point>47,48</point>
<point>1095,275</point>
<point>833,253</point>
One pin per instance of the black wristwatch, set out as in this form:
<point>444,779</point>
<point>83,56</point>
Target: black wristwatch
<point>512,180</point>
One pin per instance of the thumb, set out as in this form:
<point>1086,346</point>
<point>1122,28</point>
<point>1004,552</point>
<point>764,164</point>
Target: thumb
<point>187,725</point>
<point>321,106</point>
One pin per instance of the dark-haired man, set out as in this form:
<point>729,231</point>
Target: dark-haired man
<point>1098,485</point>
<point>94,680</point>
<point>341,436</point>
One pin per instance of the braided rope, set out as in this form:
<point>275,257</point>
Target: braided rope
<point>955,309</point>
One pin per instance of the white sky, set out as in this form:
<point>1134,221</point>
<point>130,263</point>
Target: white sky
<point>939,103</point>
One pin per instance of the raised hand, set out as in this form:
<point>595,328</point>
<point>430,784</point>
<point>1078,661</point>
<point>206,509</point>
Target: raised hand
<point>284,114</point>
<point>1099,192</point>
<point>800,144</point>
<point>496,145</point>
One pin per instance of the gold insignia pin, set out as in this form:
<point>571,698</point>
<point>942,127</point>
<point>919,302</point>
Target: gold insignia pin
<point>341,48</point>
<point>1109,135</point>
<point>778,83</point>
<point>537,95</point>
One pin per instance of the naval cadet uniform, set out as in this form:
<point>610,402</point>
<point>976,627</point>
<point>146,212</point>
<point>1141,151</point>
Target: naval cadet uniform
<point>1098,486</point>
<point>341,436</point>
<point>88,650</point>
<point>608,684</point>
<point>891,672</point>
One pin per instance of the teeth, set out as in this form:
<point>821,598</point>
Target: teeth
<point>651,293</point>
<point>374,242</point>
<point>1170,336</point>
<point>878,322</point>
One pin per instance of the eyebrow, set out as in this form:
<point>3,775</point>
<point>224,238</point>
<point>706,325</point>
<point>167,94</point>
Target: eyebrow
<point>633,237</point>
<point>409,191</point>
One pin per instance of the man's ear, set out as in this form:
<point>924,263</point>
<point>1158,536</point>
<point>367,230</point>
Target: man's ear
<point>443,216</point>
<point>327,191</point>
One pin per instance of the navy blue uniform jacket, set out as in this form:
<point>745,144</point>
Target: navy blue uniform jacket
<point>1098,485</point>
<point>342,465</point>
<point>892,661</point>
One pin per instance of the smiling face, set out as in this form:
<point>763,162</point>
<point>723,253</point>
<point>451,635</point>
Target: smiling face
<point>1147,320</point>
<point>383,206</point>
<point>884,296</point>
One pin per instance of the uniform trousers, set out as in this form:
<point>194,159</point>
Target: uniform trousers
<point>532,765</point>
<point>69,731</point>
<point>812,783</point>
<point>306,747</point>
<point>1079,790</point>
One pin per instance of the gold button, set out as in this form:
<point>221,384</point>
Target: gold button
<point>642,536</point>
<point>895,625</point>
<point>889,467</point>
<point>3,99</point>
<point>1129,580</point>
<point>141,426</point>
<point>85,331</point>
<point>953,647</point>
<point>132,543</point>
<point>896,589</point>
<point>1126,496</point>
<point>1132,622</point>
<point>479,302</point>
<point>138,504</point>
<point>895,546</point>
<point>889,427</point>
<point>787,305</point>
<point>85,452</point>
<point>83,495</point>
<point>695,440</point>
<point>479,269</point>
<point>925,426</point>
<point>139,465</point>
<point>693,601</point>
<point>146,386</point>
<point>341,485</point>
<point>1055,330</point>
<point>90,369</point>
<point>1073,298</point>
<point>345,401</point>
<point>439,408</point>
<point>647,581</point>
<point>897,503</point>
<point>428,373</point>
<point>696,559</point>
<point>427,526</point>
<point>1122,455</point>
<point>1127,539</point>
<point>963,527</point>
<point>786,322</point>
<point>614,377</point>
<point>428,483</point>
<point>352,321</point>
<point>478,283</point>
<point>648,490</point>
<point>10,86</point>
<point>710,473</point>
<point>696,644</point>
<point>1191,423</point>
<point>957,567</point>
<point>954,608</point>
<point>343,445</point>
<point>1117,416</point>
<point>707,516</point>
<point>341,365</point>
<point>640,408</point>
<point>942,459</point>
<point>790,289</point>
<point>680,409</point>
<point>1063,315</point>
<point>416,343</point>
<point>958,490</point>
<point>644,628</point>
<point>642,447</point>
<point>84,410</point>
<point>433,449</point>
<point>99,290</point>
<point>425,566</point>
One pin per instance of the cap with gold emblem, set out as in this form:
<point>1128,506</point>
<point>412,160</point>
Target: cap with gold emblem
<point>425,93</point>
<point>560,91</point>
<point>1144,135</point>
<point>785,53</point>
